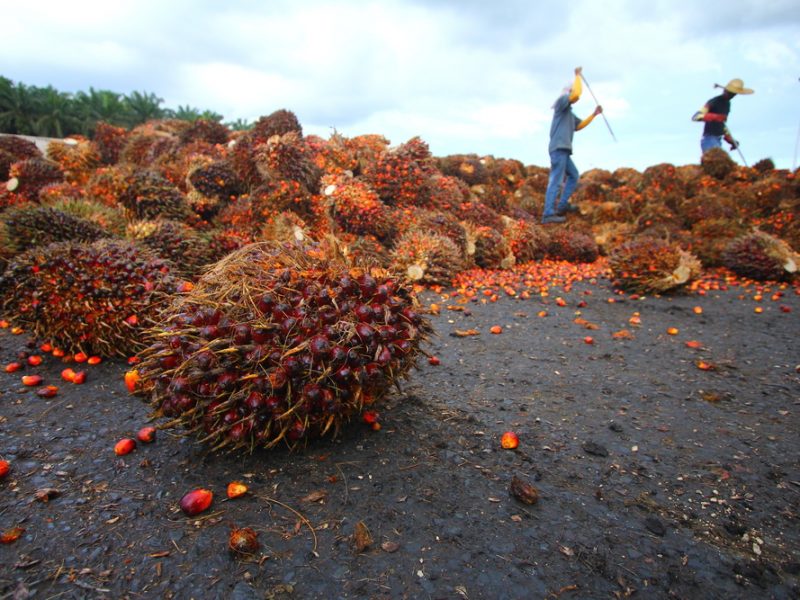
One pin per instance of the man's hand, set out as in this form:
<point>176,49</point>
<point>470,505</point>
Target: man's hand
<point>598,109</point>
<point>734,144</point>
<point>578,71</point>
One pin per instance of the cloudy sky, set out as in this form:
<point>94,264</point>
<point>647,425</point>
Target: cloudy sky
<point>467,76</point>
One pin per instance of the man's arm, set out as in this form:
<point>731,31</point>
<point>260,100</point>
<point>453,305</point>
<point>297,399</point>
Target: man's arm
<point>589,119</point>
<point>577,88</point>
<point>703,115</point>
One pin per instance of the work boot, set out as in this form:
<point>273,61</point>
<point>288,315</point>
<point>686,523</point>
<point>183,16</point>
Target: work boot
<point>553,219</point>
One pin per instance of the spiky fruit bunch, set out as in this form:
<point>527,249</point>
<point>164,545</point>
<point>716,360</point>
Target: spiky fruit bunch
<point>110,141</point>
<point>762,257</point>
<point>287,157</point>
<point>768,195</point>
<point>110,218</point>
<point>717,163</point>
<point>332,155</point>
<point>173,241</point>
<point>279,123</point>
<point>285,226</point>
<point>107,185</point>
<point>144,148</point>
<point>609,235</point>
<point>365,150</point>
<point>203,130</point>
<point>764,165</point>
<point>30,226</point>
<point>356,208</point>
<point>572,246</point>
<point>427,258</point>
<point>27,177</point>
<point>708,205</point>
<point>6,160</point>
<point>78,159</point>
<point>648,265</point>
<point>148,195</point>
<point>216,180</point>
<point>491,249</point>
<point>711,237</point>
<point>280,343</point>
<point>19,147</point>
<point>466,167</point>
<point>434,221</point>
<point>364,250</point>
<point>90,298</point>
<point>55,192</point>
<point>398,178</point>
<point>446,192</point>
<point>416,149</point>
<point>477,213</point>
<point>222,242</point>
<point>278,195</point>
<point>527,240</point>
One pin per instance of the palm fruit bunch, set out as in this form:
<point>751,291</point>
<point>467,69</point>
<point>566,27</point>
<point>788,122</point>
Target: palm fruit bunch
<point>761,256</point>
<point>28,176</point>
<point>223,241</point>
<point>709,238</point>
<point>147,195</point>
<point>765,165</point>
<point>611,234</point>
<point>477,213</point>
<point>651,265</point>
<point>107,185</point>
<point>110,218</point>
<point>284,226</point>
<point>78,159</point>
<point>276,195</point>
<point>203,130</point>
<point>280,344</point>
<point>287,157</point>
<point>6,160</point>
<point>770,194</point>
<point>356,208</point>
<point>527,240</point>
<point>364,250</point>
<point>19,147</point>
<point>490,250</point>
<point>279,122</point>
<point>365,150</point>
<point>468,167</point>
<point>82,297</point>
<point>177,242</point>
<point>398,178</point>
<point>34,225</point>
<point>708,205</point>
<point>446,192</point>
<point>717,163</point>
<point>216,180</point>
<point>331,155</point>
<point>110,140</point>
<point>572,245</point>
<point>435,221</point>
<point>427,258</point>
<point>143,148</point>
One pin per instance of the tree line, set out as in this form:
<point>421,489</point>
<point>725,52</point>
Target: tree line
<point>48,112</point>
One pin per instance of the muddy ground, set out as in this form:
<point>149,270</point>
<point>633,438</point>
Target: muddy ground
<point>656,479</point>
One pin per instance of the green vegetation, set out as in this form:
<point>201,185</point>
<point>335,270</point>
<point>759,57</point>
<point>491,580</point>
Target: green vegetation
<point>47,112</point>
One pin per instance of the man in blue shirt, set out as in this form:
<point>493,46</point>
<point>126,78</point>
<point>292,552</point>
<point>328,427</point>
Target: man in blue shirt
<point>562,169</point>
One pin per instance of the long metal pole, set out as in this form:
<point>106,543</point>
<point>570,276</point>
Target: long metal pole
<point>739,150</point>
<point>588,87</point>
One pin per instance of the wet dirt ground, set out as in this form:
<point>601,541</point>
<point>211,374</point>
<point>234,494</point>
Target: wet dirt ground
<point>656,478</point>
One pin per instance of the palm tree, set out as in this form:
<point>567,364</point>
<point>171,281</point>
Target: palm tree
<point>185,113</point>
<point>100,105</point>
<point>239,125</point>
<point>142,107</point>
<point>57,116</point>
<point>17,108</point>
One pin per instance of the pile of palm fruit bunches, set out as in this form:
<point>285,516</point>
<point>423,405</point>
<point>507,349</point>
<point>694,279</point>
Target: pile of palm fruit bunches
<point>142,242</point>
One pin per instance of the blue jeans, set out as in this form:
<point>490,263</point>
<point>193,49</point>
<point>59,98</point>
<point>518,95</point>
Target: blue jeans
<point>707,142</point>
<point>562,172</point>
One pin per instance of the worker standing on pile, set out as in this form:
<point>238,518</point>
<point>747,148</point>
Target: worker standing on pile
<point>563,172</point>
<point>715,115</point>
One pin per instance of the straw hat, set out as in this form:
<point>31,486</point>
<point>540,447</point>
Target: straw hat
<point>736,86</point>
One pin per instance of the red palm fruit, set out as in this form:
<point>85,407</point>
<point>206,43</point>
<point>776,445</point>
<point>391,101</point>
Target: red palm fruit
<point>94,360</point>
<point>124,446</point>
<point>131,379</point>
<point>79,377</point>
<point>80,357</point>
<point>196,501</point>
<point>68,374</point>
<point>236,489</point>
<point>370,417</point>
<point>243,541</point>
<point>509,440</point>
<point>319,345</point>
<point>47,391</point>
<point>241,335</point>
<point>5,467</point>
<point>146,434</point>
<point>31,380</point>
<point>34,360</point>
<point>12,367</point>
